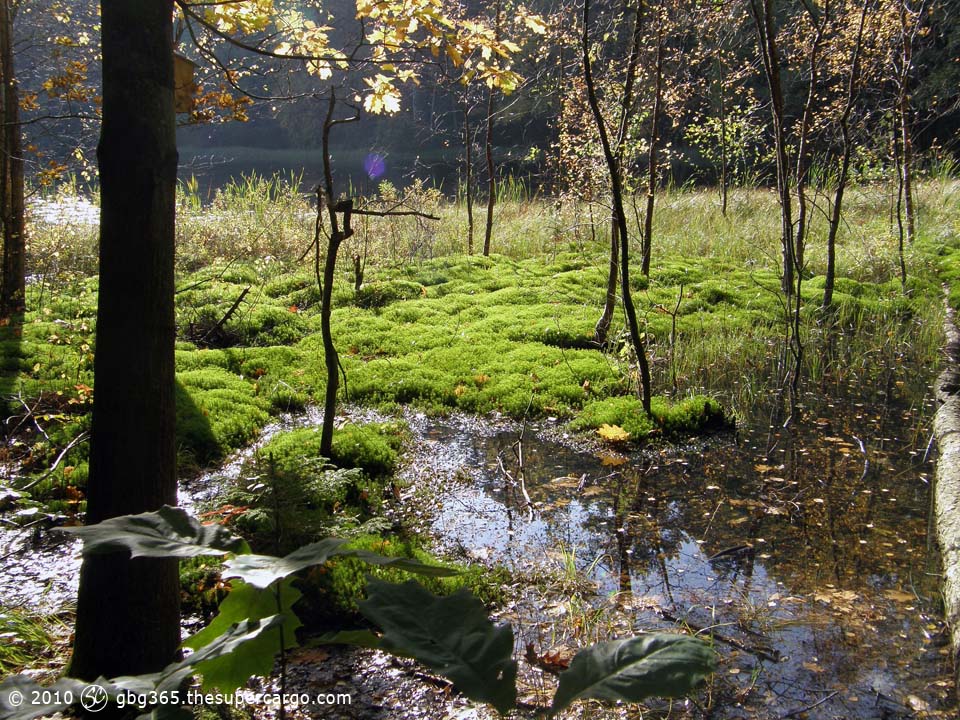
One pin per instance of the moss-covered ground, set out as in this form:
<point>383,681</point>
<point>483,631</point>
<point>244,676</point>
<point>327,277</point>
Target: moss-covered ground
<point>440,330</point>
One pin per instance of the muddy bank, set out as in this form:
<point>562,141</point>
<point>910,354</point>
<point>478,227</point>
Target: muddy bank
<point>947,494</point>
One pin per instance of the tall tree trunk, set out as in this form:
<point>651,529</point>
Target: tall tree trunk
<point>13,281</point>
<point>616,187</point>
<point>803,160</point>
<point>652,156</point>
<point>763,22</point>
<point>468,145</point>
<point>128,619</point>
<point>602,328</point>
<point>491,168</point>
<point>724,180</point>
<point>326,199</point>
<point>903,112</point>
<point>835,215</point>
<point>491,177</point>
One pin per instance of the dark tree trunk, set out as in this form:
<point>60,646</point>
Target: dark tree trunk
<point>836,210</point>
<point>325,198</point>
<point>724,180</point>
<point>13,281</point>
<point>903,112</point>
<point>128,619</point>
<point>652,158</point>
<point>491,178</point>
<point>763,20</point>
<point>602,328</point>
<point>616,187</point>
<point>802,166</point>
<point>491,168</point>
<point>468,190</point>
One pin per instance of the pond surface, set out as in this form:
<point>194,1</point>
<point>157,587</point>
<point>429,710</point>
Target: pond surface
<point>803,546</point>
<point>804,549</point>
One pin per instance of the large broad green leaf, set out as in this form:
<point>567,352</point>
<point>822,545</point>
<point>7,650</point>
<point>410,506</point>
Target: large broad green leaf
<point>228,672</point>
<point>168,532</point>
<point>451,635</point>
<point>233,640</point>
<point>18,692</point>
<point>665,665</point>
<point>261,570</point>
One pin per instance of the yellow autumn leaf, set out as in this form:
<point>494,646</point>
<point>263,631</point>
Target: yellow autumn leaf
<point>613,433</point>
<point>534,23</point>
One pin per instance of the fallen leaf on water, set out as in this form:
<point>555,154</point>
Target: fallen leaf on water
<point>613,433</point>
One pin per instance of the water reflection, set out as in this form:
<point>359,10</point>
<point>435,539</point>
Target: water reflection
<point>804,547</point>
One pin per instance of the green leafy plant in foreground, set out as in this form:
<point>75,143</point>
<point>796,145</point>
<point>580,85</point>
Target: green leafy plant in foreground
<point>451,635</point>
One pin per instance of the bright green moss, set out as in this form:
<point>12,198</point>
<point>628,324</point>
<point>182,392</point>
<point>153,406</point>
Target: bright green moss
<point>381,294</point>
<point>626,412</point>
<point>372,448</point>
<point>688,416</point>
<point>332,591</point>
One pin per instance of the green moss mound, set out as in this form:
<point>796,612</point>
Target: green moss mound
<point>372,448</point>
<point>689,416</point>
<point>381,294</point>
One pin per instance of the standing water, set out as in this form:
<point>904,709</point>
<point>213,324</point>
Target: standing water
<point>804,550</point>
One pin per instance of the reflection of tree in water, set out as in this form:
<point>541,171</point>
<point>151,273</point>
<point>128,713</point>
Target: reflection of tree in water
<point>784,541</point>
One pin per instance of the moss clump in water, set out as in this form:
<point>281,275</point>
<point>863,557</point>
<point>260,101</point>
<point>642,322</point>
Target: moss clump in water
<point>293,496</point>
<point>689,416</point>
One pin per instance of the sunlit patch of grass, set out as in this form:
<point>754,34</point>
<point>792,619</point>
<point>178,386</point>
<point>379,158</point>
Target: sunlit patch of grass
<point>32,640</point>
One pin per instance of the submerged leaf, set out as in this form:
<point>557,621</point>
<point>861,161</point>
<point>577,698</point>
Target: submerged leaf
<point>168,532</point>
<point>451,635</point>
<point>665,665</point>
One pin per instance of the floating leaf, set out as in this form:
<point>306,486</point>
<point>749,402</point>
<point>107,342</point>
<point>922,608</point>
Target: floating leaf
<point>451,635</point>
<point>666,665</point>
<point>168,532</point>
<point>613,433</point>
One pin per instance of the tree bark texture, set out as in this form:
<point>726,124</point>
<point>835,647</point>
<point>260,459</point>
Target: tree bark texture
<point>762,12</point>
<point>602,328</point>
<point>491,167</point>
<point>946,426</point>
<point>13,281</point>
<point>128,619</point>
<point>616,187</point>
